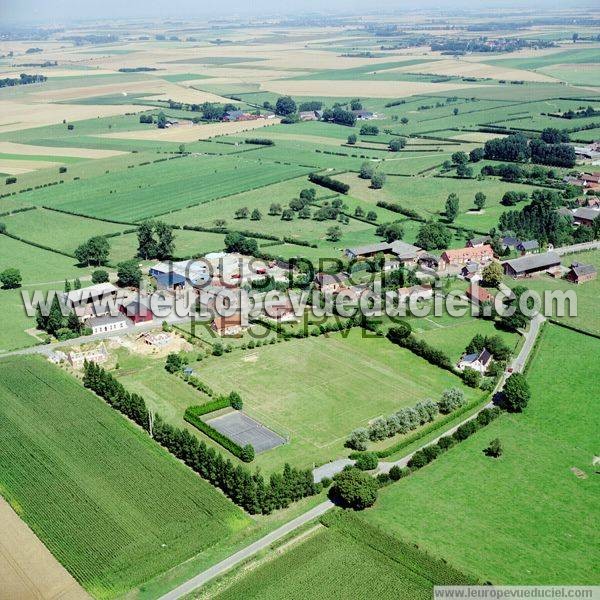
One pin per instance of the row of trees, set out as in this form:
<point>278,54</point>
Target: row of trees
<point>405,419</point>
<point>518,148</point>
<point>249,490</point>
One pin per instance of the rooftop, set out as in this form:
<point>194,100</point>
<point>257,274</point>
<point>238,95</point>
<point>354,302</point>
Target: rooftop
<point>534,261</point>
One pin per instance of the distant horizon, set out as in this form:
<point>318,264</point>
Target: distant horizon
<point>62,12</point>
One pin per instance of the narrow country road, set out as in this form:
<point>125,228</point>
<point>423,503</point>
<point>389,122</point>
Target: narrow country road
<point>190,585</point>
<point>233,560</point>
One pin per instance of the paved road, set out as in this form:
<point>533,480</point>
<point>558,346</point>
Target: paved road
<point>233,560</point>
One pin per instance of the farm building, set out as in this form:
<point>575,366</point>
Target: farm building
<point>586,216</point>
<point>196,272</point>
<point>308,115</point>
<point>532,264</point>
<point>228,326</point>
<point>462,256</point>
<point>471,271</point>
<point>331,284</point>
<point>363,115</point>
<point>405,252</point>
<point>417,292</point>
<point>107,324</point>
<point>137,311</point>
<point>479,361</point>
<point>95,300</point>
<point>528,247</point>
<point>509,242</point>
<point>581,273</point>
<point>170,281</point>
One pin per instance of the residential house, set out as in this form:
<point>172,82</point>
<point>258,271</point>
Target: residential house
<point>531,264</point>
<point>330,284</point>
<point>478,295</point>
<point>581,273</point>
<point>107,324</point>
<point>137,311</point>
<point>97,355</point>
<point>428,261</point>
<point>363,115</point>
<point>461,256</point>
<point>570,180</point>
<point>509,242</point>
<point>479,241</point>
<point>592,179</point>
<point>407,253</point>
<point>281,311</point>
<point>528,247</point>
<point>228,326</point>
<point>479,361</point>
<point>237,115</point>
<point>586,216</point>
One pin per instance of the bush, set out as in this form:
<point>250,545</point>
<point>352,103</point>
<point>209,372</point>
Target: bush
<point>397,472</point>
<point>378,180</point>
<point>359,437</point>
<point>235,401</point>
<point>355,489</point>
<point>494,449</point>
<point>175,362</point>
<point>367,461</point>
<point>247,453</point>
<point>446,442</point>
<point>99,276</point>
<point>471,377</point>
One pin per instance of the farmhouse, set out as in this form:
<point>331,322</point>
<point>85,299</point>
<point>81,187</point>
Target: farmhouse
<point>528,247</point>
<point>281,311</point>
<point>363,115</point>
<point>532,264</point>
<point>570,180</point>
<point>479,361</point>
<point>471,271</point>
<point>238,115</point>
<point>97,355</point>
<point>586,216</point>
<point>591,151</point>
<point>509,242</point>
<point>95,300</point>
<point>581,273</point>
<point>107,324</point>
<point>228,326</point>
<point>479,241</point>
<point>592,179</point>
<point>462,256</point>
<point>330,284</point>
<point>308,115</point>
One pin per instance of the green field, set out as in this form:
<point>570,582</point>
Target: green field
<point>330,393</point>
<point>148,190</point>
<point>524,518</point>
<point>97,490</point>
<point>345,559</point>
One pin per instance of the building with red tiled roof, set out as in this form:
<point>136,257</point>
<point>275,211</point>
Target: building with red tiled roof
<point>461,256</point>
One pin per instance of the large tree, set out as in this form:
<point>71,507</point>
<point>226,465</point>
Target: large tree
<point>354,489</point>
<point>93,252</point>
<point>516,392</point>
<point>285,106</point>
<point>451,209</point>
<point>129,273</point>
<point>433,236</point>
<point>10,278</point>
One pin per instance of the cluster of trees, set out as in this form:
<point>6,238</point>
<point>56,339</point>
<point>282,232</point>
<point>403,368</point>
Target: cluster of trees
<point>238,242</point>
<point>23,79</point>
<point>10,278</point>
<point>248,490</point>
<point>299,206</point>
<point>590,111</point>
<point>511,198</point>
<point>340,116</point>
<point>397,144</point>
<point>493,343</point>
<point>244,212</point>
<point>146,119</point>
<point>390,231</point>
<point>514,172</point>
<point>368,171</point>
<point>428,454</point>
<point>359,212</point>
<point>155,240</point>
<point>329,183</point>
<point>433,236</point>
<point>353,488</point>
<point>518,148</point>
<point>539,219</point>
<point>369,130</point>
<point>93,252</point>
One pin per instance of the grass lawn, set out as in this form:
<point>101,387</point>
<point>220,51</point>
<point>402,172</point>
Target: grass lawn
<point>97,490</point>
<point>316,390</point>
<point>524,518</point>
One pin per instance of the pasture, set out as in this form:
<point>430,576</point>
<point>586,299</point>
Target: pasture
<point>95,489</point>
<point>477,511</point>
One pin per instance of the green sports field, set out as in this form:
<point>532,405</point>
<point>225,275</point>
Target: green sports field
<point>525,518</point>
<point>318,389</point>
<point>111,505</point>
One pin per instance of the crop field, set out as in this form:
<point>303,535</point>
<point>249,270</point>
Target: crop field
<point>147,191</point>
<point>475,510</point>
<point>331,392</point>
<point>96,490</point>
<point>346,555</point>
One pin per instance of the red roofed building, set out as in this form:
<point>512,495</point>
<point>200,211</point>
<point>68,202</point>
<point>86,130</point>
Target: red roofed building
<point>228,326</point>
<point>478,295</point>
<point>461,256</point>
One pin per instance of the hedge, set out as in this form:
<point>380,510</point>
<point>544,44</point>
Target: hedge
<point>328,182</point>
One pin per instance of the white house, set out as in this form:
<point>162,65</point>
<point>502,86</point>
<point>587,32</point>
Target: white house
<point>478,361</point>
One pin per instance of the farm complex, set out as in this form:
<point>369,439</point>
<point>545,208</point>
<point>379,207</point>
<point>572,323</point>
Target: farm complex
<point>300,306</point>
